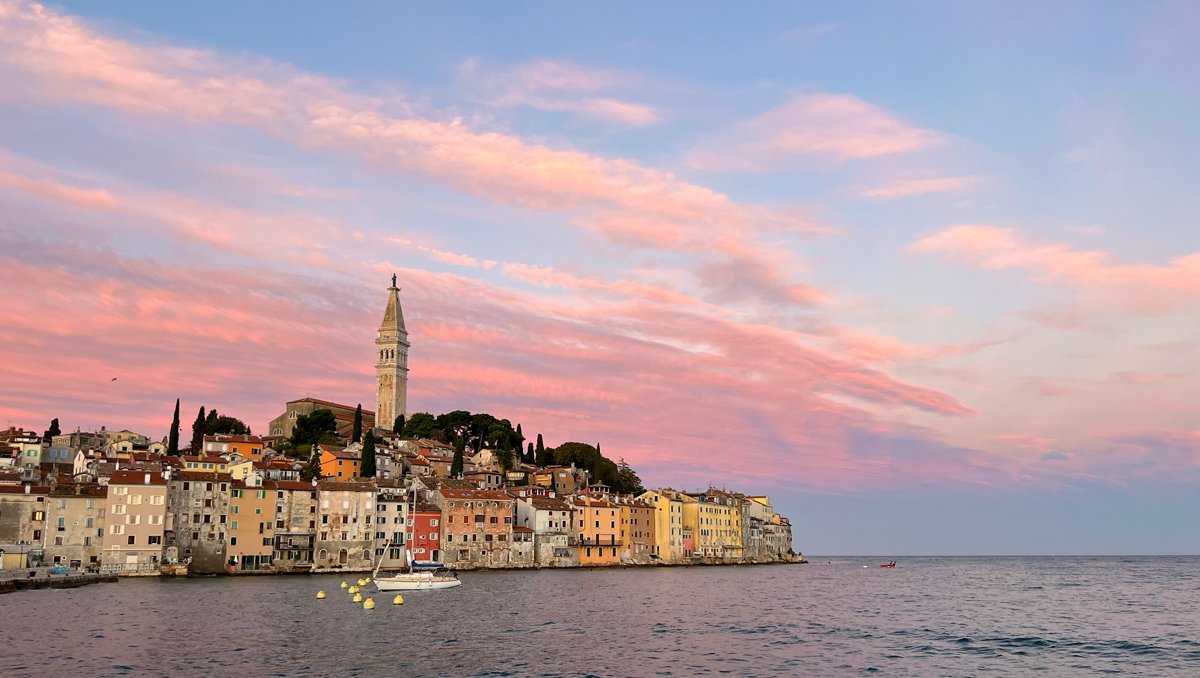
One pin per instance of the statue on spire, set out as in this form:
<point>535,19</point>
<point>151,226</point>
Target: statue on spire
<point>393,280</point>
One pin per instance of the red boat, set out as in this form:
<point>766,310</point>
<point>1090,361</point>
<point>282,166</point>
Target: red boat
<point>891,564</point>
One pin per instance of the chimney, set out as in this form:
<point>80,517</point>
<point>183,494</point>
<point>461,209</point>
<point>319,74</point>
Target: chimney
<point>147,479</point>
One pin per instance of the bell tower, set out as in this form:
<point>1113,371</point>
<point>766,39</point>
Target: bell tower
<point>391,370</point>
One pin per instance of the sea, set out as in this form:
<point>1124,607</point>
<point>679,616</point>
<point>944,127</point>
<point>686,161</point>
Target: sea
<point>1018,616</point>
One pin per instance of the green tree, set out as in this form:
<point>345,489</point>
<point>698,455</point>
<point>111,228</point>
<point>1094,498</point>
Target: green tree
<point>520,439</point>
<point>627,481</point>
<point>173,436</point>
<point>320,427</point>
<point>543,458</point>
<point>199,428</point>
<point>367,468</point>
<point>419,425</point>
<point>54,430</point>
<point>356,434</point>
<point>456,466</point>
<point>530,458</point>
<point>398,425</point>
<point>221,424</point>
<point>312,470</point>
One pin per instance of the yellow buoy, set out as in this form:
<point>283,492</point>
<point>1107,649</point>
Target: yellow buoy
<point>398,600</point>
<point>353,589</point>
<point>343,584</point>
<point>320,595</point>
<point>361,582</point>
<point>369,604</point>
<point>367,581</point>
<point>358,597</point>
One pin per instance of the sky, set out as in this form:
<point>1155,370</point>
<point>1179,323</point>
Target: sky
<point>927,274</point>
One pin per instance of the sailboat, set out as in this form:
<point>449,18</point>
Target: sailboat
<point>420,576</point>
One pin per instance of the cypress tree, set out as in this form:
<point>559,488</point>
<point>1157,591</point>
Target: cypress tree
<point>367,468</point>
<point>398,425</point>
<point>356,435</point>
<point>530,458</point>
<point>456,466</point>
<point>173,438</point>
<point>541,452</point>
<point>198,428</point>
<point>54,430</point>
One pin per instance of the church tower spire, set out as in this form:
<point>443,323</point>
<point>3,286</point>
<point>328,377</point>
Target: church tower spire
<point>391,371</point>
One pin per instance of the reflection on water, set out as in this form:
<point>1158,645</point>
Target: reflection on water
<point>928,617</point>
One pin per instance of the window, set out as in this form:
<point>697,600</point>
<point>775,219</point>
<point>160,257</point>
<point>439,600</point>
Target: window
<point>117,529</point>
<point>58,541</point>
<point>62,524</point>
<point>233,526</point>
<point>236,494</point>
<point>156,500</point>
<point>258,512</point>
<point>132,540</point>
<point>155,520</point>
<point>233,541</point>
<point>433,522</point>
<point>154,539</point>
<point>62,503</point>
<point>87,522</point>
<point>118,510</point>
<point>235,510</point>
<point>324,520</point>
<point>268,541</point>
<point>186,486</point>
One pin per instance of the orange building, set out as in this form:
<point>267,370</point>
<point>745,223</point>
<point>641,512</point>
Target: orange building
<point>251,527</point>
<point>599,531</point>
<point>246,446</point>
<point>337,463</point>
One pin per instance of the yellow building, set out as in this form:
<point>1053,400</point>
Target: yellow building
<point>599,531</point>
<point>718,526</point>
<point>668,523</point>
<point>251,527</point>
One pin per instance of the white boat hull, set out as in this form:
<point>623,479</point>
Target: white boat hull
<point>415,583</point>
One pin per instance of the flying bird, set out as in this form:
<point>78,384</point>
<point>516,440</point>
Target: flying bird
<point>113,379</point>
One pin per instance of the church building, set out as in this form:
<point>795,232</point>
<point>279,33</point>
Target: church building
<point>391,380</point>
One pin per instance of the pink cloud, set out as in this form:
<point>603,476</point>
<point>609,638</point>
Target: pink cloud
<point>837,126</point>
<point>560,86</point>
<point>614,198</point>
<point>1142,288</point>
<point>903,188</point>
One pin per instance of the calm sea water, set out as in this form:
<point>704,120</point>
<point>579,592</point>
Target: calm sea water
<point>928,617</point>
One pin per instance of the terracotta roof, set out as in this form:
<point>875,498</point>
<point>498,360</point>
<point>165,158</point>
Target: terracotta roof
<point>20,489</point>
<point>216,476</point>
<point>350,486</point>
<point>231,438</point>
<point>79,490</point>
<point>476,494</point>
<point>338,452</point>
<point>547,503</point>
<point>522,529</point>
<point>331,404</point>
<point>290,485</point>
<point>136,478</point>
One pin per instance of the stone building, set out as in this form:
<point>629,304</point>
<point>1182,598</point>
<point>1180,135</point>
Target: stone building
<point>345,526</point>
<point>555,533</point>
<point>477,530</point>
<point>295,525</point>
<point>135,522</point>
<point>75,515</point>
<point>22,525</point>
<point>343,414</point>
<point>777,538</point>
<point>198,519</point>
<point>391,516</point>
<point>391,369</point>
